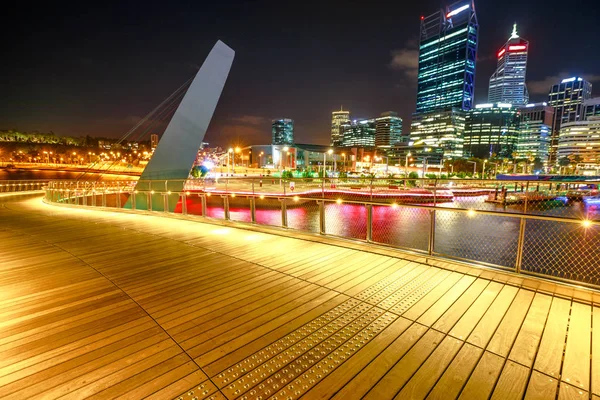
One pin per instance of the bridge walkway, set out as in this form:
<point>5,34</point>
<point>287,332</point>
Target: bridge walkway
<point>98,304</point>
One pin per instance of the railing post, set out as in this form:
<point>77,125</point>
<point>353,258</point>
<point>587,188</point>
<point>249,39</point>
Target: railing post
<point>183,204</point>
<point>520,245</point>
<point>284,212</point>
<point>369,223</point>
<point>322,217</point>
<point>226,207</point>
<point>253,210</point>
<point>203,201</point>
<point>149,201</point>
<point>166,201</point>
<point>133,199</point>
<point>431,245</point>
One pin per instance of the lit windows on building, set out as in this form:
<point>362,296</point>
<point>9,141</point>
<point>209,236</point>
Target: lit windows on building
<point>591,108</point>
<point>491,130</point>
<point>283,131</point>
<point>338,118</point>
<point>567,98</point>
<point>359,133</point>
<point>507,83</point>
<point>441,129</point>
<point>388,129</point>
<point>580,138</point>
<point>535,130</point>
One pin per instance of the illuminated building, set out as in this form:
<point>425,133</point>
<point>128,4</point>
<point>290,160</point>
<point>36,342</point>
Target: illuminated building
<point>443,129</point>
<point>338,118</point>
<point>580,138</point>
<point>446,76</point>
<point>388,129</point>
<point>535,130</point>
<point>491,130</point>
<point>153,140</point>
<point>567,98</point>
<point>283,131</point>
<point>591,108</point>
<point>507,83</point>
<point>359,133</point>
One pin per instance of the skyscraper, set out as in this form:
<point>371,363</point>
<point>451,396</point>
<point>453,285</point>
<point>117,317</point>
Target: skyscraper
<point>338,118</point>
<point>283,131</point>
<point>580,138</point>
<point>567,98</point>
<point>388,129</point>
<point>591,107</point>
<point>507,83</point>
<point>446,76</point>
<point>491,130</point>
<point>447,54</point>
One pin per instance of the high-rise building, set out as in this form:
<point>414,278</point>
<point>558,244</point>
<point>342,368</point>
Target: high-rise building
<point>580,138</point>
<point>388,129</point>
<point>359,133</point>
<point>491,130</point>
<point>535,130</point>
<point>446,75</point>
<point>440,129</point>
<point>338,118</point>
<point>283,131</point>
<point>153,140</point>
<point>591,108</point>
<point>507,83</point>
<point>447,54</point>
<point>567,98</point>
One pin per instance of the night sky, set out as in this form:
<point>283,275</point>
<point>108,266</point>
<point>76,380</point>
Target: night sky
<point>78,69</point>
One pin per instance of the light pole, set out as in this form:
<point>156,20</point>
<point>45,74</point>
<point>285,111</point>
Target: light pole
<point>330,152</point>
<point>386,164</point>
<point>344,161</point>
<point>260,159</point>
<point>406,163</point>
<point>495,168</point>
<point>425,165</point>
<point>483,169</point>
<point>229,152</point>
<point>474,167</point>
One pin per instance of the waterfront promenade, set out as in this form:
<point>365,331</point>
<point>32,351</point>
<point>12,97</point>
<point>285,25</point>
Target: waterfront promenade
<point>106,304</point>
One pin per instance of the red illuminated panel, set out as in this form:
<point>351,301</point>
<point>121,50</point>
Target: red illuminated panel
<point>516,48</point>
<point>501,53</point>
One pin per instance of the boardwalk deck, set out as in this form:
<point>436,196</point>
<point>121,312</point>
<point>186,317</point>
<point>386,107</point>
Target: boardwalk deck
<point>97,304</point>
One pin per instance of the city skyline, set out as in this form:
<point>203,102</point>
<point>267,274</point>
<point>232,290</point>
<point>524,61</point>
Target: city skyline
<point>100,83</point>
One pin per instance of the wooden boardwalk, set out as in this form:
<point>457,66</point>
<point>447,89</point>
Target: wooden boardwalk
<point>106,305</point>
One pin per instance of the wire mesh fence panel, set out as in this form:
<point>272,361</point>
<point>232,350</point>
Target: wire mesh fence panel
<point>215,207</point>
<point>484,238</point>
<point>346,219</point>
<point>193,203</point>
<point>239,209</point>
<point>268,211</point>
<point>562,249</point>
<point>401,226</point>
<point>303,215</point>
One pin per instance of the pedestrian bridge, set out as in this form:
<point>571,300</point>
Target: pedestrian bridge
<point>108,304</point>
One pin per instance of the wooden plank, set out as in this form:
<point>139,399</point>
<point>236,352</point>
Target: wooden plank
<point>568,392</point>
<point>369,376</point>
<point>469,319</point>
<point>486,327</point>
<point>431,370</point>
<point>541,387</point>
<point>482,380</point>
<point>505,335</point>
<point>456,311</point>
<point>456,375</point>
<point>550,353</point>
<point>512,382</point>
<point>400,373</point>
<point>576,365</point>
<point>526,344</point>
<point>433,296</point>
<point>446,301</point>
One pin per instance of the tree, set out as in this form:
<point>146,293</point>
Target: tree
<point>538,165</point>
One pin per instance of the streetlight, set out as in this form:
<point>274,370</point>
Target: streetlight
<point>230,151</point>
<point>344,160</point>
<point>406,163</point>
<point>474,167</point>
<point>386,163</point>
<point>260,158</point>
<point>483,169</point>
<point>425,165</point>
<point>495,168</point>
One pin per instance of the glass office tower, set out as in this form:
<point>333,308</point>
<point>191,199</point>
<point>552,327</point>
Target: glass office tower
<point>283,131</point>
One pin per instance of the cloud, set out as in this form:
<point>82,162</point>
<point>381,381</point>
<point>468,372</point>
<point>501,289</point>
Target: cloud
<point>405,60</point>
<point>543,86</point>
<point>250,120</point>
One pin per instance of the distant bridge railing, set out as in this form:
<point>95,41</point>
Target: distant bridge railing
<point>9,186</point>
<point>549,229</point>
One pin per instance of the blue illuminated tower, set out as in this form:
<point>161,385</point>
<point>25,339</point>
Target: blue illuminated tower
<point>446,77</point>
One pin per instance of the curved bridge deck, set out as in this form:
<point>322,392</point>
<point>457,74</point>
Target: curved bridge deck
<point>98,304</point>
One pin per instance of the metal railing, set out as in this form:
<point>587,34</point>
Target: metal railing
<point>21,185</point>
<point>460,221</point>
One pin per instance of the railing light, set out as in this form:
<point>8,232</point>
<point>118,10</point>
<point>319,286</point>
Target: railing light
<point>339,201</point>
<point>471,213</point>
<point>394,205</point>
<point>187,193</point>
<point>232,194</point>
<point>262,196</point>
<point>586,223</point>
<point>169,192</point>
<point>152,192</point>
<point>296,198</point>
<point>208,194</point>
